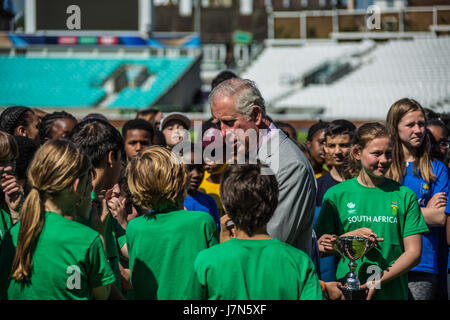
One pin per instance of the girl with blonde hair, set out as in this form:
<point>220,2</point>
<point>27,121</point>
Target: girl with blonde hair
<point>369,204</point>
<point>413,167</point>
<point>47,255</point>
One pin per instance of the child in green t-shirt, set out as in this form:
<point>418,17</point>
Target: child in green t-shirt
<point>47,255</point>
<point>103,144</point>
<point>249,264</point>
<point>163,243</point>
<point>370,204</point>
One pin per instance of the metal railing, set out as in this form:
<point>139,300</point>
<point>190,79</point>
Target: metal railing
<point>300,24</point>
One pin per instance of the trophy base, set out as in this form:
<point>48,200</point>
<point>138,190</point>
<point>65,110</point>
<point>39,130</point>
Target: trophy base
<point>354,294</point>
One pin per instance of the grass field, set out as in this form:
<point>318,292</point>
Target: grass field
<point>301,135</point>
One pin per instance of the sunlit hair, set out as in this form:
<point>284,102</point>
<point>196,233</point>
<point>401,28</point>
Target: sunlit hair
<point>422,165</point>
<point>245,94</point>
<point>8,146</point>
<point>13,117</point>
<point>54,168</point>
<point>157,177</point>
<point>363,135</point>
<point>47,122</point>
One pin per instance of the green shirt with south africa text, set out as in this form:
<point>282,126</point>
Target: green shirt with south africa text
<point>390,210</point>
<point>162,248</point>
<point>241,269</point>
<point>68,262</point>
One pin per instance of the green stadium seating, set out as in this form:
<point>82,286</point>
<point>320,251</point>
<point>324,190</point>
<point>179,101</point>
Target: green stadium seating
<point>77,82</point>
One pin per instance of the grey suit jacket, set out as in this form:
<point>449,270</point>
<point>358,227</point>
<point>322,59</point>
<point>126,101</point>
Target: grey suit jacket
<point>293,218</point>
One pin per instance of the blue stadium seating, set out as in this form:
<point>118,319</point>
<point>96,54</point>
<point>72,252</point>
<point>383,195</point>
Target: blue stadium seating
<point>76,82</point>
<point>167,72</point>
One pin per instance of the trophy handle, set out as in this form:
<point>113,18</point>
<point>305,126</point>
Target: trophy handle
<point>337,247</point>
<point>372,241</point>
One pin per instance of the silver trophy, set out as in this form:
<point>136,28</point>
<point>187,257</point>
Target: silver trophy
<point>353,248</point>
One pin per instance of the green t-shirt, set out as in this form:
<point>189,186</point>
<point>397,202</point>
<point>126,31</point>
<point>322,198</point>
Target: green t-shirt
<point>255,270</point>
<point>162,248</point>
<point>5,223</point>
<point>68,262</point>
<point>115,238</point>
<point>390,210</point>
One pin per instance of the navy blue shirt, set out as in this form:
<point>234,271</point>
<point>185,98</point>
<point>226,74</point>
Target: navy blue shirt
<point>447,212</point>
<point>324,183</point>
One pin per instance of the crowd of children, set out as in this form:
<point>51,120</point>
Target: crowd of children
<point>91,212</point>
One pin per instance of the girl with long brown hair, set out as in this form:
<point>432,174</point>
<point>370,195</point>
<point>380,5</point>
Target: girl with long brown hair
<point>47,255</point>
<point>413,167</point>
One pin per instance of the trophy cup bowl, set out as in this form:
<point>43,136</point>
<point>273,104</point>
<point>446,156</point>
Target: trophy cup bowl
<point>353,248</point>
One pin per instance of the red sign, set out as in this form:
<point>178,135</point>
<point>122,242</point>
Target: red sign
<point>105,40</point>
<point>67,40</point>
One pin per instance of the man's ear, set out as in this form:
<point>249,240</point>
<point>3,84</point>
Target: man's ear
<point>257,115</point>
<point>20,131</point>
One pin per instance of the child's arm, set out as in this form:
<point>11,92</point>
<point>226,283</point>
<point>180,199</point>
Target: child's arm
<point>101,293</point>
<point>125,275</point>
<point>118,211</point>
<point>13,192</point>
<point>100,215</point>
<point>434,217</point>
<point>407,260</point>
<point>434,213</point>
<point>332,290</point>
<point>115,293</point>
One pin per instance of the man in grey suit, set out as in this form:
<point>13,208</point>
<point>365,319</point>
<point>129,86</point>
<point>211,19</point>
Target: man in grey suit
<point>238,106</point>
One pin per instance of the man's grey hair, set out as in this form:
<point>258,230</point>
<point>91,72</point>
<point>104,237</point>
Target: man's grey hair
<point>245,93</point>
